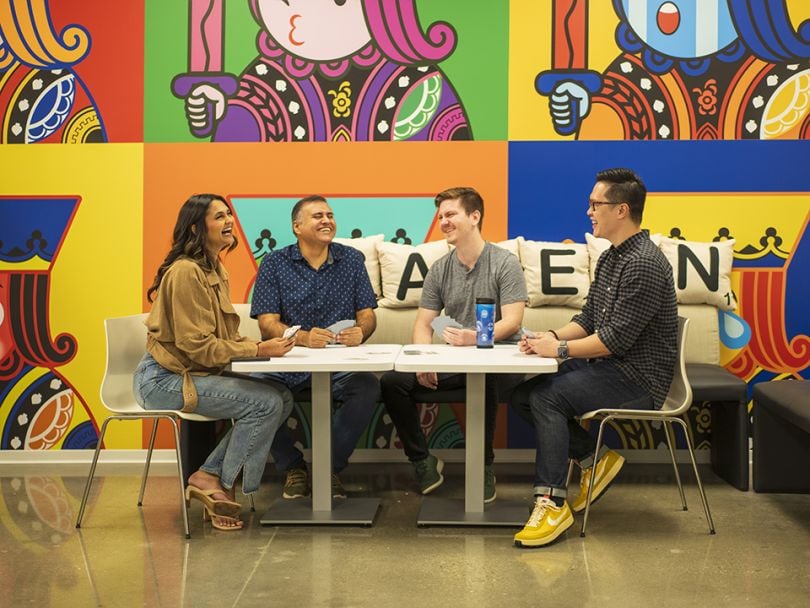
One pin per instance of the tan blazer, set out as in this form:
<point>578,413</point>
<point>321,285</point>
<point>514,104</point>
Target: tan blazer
<point>193,328</point>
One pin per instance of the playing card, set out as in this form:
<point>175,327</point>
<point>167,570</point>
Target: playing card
<point>441,322</point>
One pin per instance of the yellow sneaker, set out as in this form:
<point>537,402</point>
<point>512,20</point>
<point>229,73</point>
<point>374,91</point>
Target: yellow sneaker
<point>606,470</point>
<point>545,524</point>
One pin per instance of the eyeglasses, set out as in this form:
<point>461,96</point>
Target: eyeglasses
<point>593,204</point>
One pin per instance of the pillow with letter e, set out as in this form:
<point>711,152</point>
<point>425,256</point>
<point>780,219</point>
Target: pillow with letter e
<point>702,271</point>
<point>368,247</point>
<point>556,273</point>
<point>404,268</point>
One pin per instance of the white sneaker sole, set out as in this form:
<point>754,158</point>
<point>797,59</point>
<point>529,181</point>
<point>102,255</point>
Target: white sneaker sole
<point>542,542</point>
<point>440,481</point>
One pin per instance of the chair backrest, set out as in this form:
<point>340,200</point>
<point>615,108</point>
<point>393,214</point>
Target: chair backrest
<point>126,344</point>
<point>679,397</point>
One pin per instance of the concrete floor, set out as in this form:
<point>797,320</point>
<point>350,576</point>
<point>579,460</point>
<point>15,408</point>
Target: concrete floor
<point>641,548</point>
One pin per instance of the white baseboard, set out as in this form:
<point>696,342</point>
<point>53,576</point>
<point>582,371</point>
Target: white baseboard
<point>159,457</point>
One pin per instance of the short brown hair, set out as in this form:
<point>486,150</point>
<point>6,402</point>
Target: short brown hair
<point>469,198</point>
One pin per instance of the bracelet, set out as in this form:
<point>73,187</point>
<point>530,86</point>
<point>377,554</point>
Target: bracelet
<point>554,333</point>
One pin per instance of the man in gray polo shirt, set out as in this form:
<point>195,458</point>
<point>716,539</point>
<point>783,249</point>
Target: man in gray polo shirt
<point>474,269</point>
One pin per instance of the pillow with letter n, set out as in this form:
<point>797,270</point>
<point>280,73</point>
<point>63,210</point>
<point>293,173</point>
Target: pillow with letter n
<point>404,268</point>
<point>702,271</point>
<point>368,247</point>
<point>556,273</point>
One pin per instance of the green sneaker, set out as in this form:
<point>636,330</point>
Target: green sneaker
<point>296,484</point>
<point>429,473</point>
<point>489,484</point>
<point>338,491</point>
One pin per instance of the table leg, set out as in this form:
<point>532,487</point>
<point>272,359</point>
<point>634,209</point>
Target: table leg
<point>437,511</point>
<point>474,454</point>
<point>321,509</point>
<point>321,441</point>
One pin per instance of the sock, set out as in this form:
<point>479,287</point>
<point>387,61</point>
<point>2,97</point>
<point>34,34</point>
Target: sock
<point>557,500</point>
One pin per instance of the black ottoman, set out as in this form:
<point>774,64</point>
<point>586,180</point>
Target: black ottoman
<point>782,436</point>
<point>728,397</point>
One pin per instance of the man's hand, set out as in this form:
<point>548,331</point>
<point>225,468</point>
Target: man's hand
<point>458,337</point>
<point>545,346</point>
<point>318,337</point>
<point>428,379</point>
<point>352,336</point>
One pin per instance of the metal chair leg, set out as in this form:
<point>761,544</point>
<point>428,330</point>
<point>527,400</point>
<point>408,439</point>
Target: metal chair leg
<point>148,460</point>
<point>593,475</point>
<point>697,475</point>
<point>671,445</point>
<point>92,472</point>
<point>570,472</point>
<point>183,505</point>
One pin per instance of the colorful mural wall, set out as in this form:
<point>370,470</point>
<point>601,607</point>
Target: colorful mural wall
<point>266,101</point>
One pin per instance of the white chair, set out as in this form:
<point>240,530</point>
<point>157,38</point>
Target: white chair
<point>675,406</point>
<point>126,339</point>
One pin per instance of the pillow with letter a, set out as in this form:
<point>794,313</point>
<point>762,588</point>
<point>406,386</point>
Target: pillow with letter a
<point>404,268</point>
<point>702,271</point>
<point>556,273</point>
<point>368,247</point>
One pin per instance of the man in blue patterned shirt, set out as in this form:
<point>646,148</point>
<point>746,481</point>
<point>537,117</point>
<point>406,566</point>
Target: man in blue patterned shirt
<point>619,352</point>
<point>315,283</point>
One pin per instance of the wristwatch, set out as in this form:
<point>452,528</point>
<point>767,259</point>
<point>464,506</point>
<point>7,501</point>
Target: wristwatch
<point>562,350</point>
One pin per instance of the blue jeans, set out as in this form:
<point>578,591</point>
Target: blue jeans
<point>257,407</point>
<point>354,399</point>
<point>551,401</point>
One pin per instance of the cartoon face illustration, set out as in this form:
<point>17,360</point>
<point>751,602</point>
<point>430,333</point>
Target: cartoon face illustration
<point>318,30</point>
<point>681,28</point>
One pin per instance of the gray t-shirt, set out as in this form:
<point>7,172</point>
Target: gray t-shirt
<point>451,286</point>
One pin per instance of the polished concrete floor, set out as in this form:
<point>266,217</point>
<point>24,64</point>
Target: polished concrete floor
<point>641,548</point>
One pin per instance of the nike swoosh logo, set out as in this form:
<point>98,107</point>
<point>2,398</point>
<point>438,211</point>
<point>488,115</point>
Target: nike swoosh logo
<point>554,522</point>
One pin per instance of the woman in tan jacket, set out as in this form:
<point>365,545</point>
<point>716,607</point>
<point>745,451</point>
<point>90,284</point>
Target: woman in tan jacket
<point>192,336</point>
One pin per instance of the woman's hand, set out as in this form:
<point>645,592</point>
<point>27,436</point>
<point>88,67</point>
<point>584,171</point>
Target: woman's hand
<point>275,347</point>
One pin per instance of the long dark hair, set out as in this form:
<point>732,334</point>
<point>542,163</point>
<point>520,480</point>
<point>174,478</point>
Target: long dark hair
<point>188,239</point>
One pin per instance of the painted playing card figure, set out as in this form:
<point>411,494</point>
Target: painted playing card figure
<point>376,81</point>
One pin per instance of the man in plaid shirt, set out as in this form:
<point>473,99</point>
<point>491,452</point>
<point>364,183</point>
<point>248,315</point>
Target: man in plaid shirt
<point>619,352</point>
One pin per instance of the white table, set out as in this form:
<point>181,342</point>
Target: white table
<point>476,363</point>
<point>321,362</point>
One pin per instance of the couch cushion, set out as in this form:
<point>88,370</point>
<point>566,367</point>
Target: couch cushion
<point>556,273</point>
<point>702,271</point>
<point>368,247</point>
<point>790,399</point>
<point>403,269</point>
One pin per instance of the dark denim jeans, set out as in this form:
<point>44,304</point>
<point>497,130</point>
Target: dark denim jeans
<point>551,401</point>
<point>398,389</point>
<point>354,399</point>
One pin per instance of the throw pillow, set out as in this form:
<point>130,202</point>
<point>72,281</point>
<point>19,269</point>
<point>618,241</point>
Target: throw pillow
<point>556,273</point>
<point>403,269</point>
<point>702,271</point>
<point>368,247</point>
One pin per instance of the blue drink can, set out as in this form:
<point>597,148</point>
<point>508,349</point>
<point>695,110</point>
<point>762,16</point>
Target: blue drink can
<point>484,322</point>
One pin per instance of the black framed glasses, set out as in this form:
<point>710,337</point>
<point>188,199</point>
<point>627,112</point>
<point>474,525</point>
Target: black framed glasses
<point>594,204</point>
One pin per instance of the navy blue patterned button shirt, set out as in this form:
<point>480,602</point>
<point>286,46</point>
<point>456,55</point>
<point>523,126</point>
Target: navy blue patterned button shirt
<point>288,286</point>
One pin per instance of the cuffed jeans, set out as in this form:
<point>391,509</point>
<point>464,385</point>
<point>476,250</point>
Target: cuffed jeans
<point>257,408</point>
<point>550,402</point>
<point>354,399</point>
<point>398,390</point>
